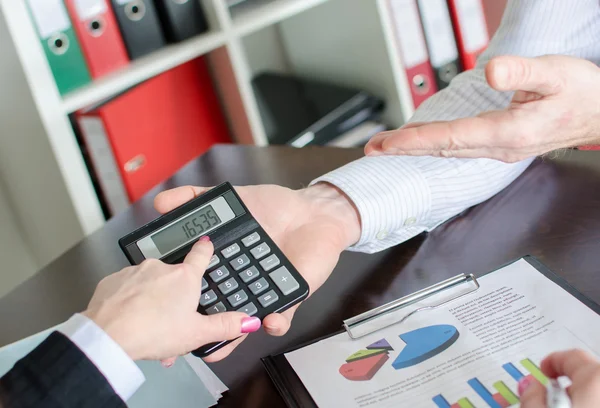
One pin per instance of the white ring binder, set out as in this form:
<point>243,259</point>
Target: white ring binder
<point>386,315</point>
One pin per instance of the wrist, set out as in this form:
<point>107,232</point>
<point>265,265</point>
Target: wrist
<point>113,328</point>
<point>330,202</point>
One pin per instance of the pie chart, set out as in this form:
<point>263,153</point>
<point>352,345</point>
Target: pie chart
<point>425,343</point>
<point>364,364</point>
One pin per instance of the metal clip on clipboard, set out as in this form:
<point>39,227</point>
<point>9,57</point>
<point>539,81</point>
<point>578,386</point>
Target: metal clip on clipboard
<point>387,315</point>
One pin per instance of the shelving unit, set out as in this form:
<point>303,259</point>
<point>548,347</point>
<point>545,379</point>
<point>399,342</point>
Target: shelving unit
<point>343,41</point>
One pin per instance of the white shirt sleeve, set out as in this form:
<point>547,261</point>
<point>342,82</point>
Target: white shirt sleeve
<point>398,197</point>
<point>121,372</point>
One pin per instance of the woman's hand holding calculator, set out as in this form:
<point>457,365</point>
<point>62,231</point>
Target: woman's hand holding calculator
<point>311,227</point>
<point>150,309</point>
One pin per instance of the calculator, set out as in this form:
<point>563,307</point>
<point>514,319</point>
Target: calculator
<point>248,273</point>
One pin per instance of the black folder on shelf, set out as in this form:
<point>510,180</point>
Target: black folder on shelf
<point>290,386</point>
<point>181,19</point>
<point>301,111</point>
<point>140,26</point>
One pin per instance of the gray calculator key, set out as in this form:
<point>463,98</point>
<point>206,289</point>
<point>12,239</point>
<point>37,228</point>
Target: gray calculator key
<point>268,298</point>
<point>208,298</point>
<point>218,308</point>
<point>259,286</point>
<point>240,262</point>
<point>204,284</point>
<point>270,262</point>
<point>284,280</point>
<point>228,286</point>
<point>214,260</point>
<point>219,274</point>
<point>251,239</point>
<point>249,274</point>
<point>238,298</point>
<point>250,309</point>
<point>230,251</point>
<point>260,251</point>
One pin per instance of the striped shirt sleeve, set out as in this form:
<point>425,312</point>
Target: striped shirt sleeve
<point>398,197</point>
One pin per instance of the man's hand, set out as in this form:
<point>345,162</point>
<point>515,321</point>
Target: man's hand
<point>556,105</point>
<point>582,369</point>
<point>150,309</point>
<point>311,226</point>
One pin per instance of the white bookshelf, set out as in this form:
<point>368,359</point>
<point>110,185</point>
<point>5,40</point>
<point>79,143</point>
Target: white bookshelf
<point>344,41</point>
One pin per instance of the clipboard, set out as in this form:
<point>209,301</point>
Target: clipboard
<point>290,386</point>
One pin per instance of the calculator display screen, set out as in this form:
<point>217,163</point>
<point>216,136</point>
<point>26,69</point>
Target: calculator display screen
<point>186,229</point>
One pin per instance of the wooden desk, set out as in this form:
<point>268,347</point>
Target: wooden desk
<point>552,212</point>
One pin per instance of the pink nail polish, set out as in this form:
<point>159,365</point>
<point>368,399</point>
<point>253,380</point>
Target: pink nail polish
<point>167,365</point>
<point>524,384</point>
<point>250,324</point>
<point>205,238</point>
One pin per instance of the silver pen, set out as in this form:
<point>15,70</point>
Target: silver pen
<point>556,395</point>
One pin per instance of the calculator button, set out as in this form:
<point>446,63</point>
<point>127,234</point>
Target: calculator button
<point>259,286</point>
<point>240,262</point>
<point>230,251</point>
<point>214,260</point>
<point>238,298</point>
<point>268,298</point>
<point>204,284</point>
<point>284,280</point>
<point>270,262</point>
<point>218,308</point>
<point>228,286</point>
<point>249,274</point>
<point>219,274</point>
<point>250,309</point>
<point>208,298</point>
<point>251,239</point>
<point>260,251</point>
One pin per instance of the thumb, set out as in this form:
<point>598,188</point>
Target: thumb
<point>225,326</point>
<point>538,75</point>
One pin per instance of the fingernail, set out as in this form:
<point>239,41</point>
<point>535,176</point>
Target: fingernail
<point>205,238</point>
<point>523,385</point>
<point>167,365</point>
<point>374,153</point>
<point>250,324</point>
<point>501,75</point>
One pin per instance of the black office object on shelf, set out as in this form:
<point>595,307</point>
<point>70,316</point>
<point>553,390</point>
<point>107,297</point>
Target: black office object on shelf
<point>300,112</point>
<point>181,19</point>
<point>139,25</point>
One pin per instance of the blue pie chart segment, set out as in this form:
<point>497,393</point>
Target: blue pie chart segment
<point>424,343</point>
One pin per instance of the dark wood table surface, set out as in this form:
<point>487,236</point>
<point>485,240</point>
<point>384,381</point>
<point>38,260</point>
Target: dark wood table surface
<point>552,212</point>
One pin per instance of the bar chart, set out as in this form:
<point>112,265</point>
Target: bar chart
<point>501,395</point>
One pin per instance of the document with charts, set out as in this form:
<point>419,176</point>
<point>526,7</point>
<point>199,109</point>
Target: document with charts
<point>469,353</point>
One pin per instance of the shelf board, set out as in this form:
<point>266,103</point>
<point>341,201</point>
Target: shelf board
<point>141,70</point>
<point>254,16</point>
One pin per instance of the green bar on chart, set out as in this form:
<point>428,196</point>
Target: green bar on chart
<point>535,371</point>
<point>506,393</point>
<point>465,403</point>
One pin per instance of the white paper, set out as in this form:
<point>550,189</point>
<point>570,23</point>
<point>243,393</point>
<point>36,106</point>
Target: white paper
<point>438,32</point>
<point>409,32</point>
<point>50,17</point>
<point>517,314</point>
<point>211,381</point>
<point>472,24</point>
<point>88,9</point>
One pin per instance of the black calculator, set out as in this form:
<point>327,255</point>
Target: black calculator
<point>247,273</point>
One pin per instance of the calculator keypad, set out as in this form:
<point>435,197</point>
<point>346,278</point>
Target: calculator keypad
<point>257,281</point>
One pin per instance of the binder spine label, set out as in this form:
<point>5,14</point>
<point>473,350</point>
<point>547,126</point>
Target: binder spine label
<point>409,33</point>
<point>472,24</point>
<point>50,17</point>
<point>440,34</point>
<point>88,9</point>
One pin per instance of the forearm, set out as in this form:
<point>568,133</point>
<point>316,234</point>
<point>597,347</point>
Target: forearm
<point>399,197</point>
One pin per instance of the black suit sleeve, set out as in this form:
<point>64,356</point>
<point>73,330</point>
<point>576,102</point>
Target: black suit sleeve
<point>57,374</point>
